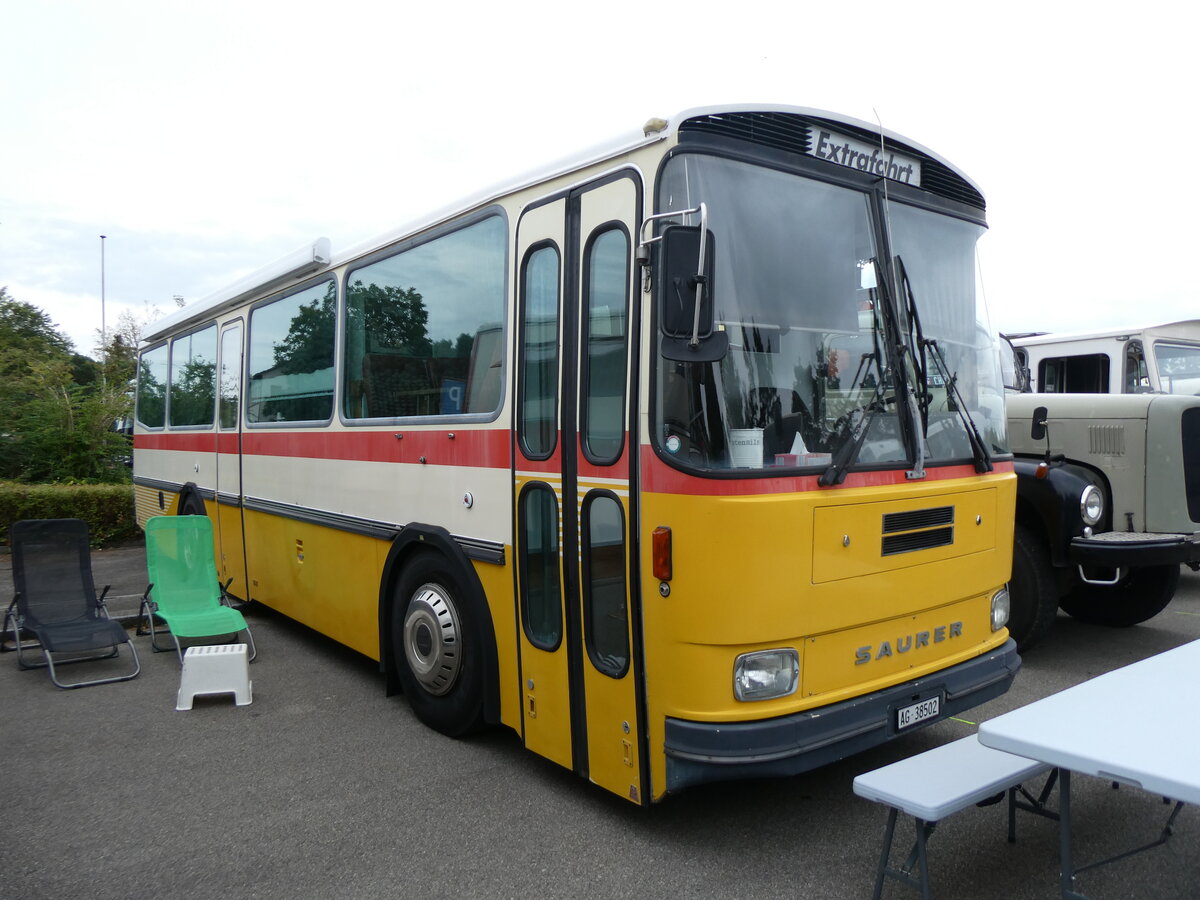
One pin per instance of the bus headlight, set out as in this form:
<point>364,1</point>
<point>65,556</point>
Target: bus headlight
<point>1001,606</point>
<point>766,674</point>
<point>1091,505</point>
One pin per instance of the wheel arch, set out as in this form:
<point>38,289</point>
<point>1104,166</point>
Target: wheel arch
<point>1049,505</point>
<point>419,538</point>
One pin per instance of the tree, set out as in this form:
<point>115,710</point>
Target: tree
<point>26,329</point>
<point>59,408</point>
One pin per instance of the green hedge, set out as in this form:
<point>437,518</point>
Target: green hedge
<point>107,508</point>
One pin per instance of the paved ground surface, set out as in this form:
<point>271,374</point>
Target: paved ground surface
<point>324,787</point>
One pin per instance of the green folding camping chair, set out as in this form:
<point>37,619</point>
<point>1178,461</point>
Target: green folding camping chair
<point>184,591</point>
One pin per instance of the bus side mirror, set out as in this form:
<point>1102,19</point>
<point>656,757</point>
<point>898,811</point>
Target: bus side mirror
<point>1037,428</point>
<point>685,296</point>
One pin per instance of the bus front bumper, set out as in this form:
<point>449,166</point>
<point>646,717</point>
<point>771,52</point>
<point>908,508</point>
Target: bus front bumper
<point>699,752</point>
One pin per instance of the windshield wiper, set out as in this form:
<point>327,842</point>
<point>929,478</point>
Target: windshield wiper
<point>848,452</point>
<point>919,398</point>
<point>983,460</point>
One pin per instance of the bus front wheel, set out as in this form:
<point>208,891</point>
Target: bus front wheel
<point>436,646</point>
<point>1032,591</point>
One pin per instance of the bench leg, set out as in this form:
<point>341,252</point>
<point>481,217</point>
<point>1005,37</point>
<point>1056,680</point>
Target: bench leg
<point>1030,803</point>
<point>888,833</point>
<point>924,829</point>
<point>917,857</point>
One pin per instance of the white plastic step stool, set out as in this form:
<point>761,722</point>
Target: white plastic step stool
<point>215,669</point>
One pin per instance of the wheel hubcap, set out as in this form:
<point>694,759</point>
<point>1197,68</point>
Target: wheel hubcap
<point>431,645</point>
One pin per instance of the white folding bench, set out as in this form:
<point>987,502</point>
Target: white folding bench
<point>940,782</point>
<point>214,669</point>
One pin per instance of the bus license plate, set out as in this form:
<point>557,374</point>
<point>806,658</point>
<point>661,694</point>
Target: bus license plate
<point>907,716</point>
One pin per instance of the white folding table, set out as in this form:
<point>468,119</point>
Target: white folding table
<point>1136,725</point>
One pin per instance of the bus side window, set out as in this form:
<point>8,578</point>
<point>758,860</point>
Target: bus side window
<point>606,262</point>
<point>152,387</point>
<point>606,613</point>
<point>1086,374</point>
<point>193,384</point>
<point>1137,375</point>
<point>423,332</point>
<point>291,357</point>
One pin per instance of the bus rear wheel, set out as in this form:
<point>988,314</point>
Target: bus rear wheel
<point>436,647</point>
<point>1142,594</point>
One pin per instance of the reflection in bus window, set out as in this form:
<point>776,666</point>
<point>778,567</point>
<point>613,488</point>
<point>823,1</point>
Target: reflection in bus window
<point>230,382</point>
<point>1178,367</point>
<point>606,273</point>
<point>193,377</point>
<point>152,387</point>
<point>539,335</point>
<point>291,357</point>
<point>423,332</point>
<point>605,609</point>
<point>541,591</point>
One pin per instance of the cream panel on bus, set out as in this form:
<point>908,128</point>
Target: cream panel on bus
<point>466,501</point>
<point>177,467</point>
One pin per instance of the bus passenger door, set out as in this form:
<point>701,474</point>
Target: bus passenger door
<point>537,484</point>
<point>575,456</point>
<point>231,555</point>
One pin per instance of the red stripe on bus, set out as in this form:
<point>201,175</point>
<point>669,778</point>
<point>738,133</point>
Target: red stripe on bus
<point>491,448</point>
<point>481,449</point>
<point>193,441</point>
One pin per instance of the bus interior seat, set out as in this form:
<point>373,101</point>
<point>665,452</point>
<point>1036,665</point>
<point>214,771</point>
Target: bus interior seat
<point>765,410</point>
<point>395,385</point>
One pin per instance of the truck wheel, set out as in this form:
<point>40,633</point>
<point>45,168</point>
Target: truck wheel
<point>1142,594</point>
<point>436,646</point>
<point>1032,591</point>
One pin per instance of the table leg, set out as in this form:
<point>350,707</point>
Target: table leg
<point>1067,875</point>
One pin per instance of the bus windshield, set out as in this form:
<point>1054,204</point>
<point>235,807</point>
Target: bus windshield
<point>809,370</point>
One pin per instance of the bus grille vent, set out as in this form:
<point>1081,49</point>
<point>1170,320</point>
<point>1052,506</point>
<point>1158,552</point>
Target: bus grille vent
<point>918,518</point>
<point>917,540</point>
<point>1107,440</point>
<point>918,529</point>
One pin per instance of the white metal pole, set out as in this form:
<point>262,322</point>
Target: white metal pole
<point>103,322</point>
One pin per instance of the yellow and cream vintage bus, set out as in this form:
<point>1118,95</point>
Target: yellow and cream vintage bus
<point>686,461</point>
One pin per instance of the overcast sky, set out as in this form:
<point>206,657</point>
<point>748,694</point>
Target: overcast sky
<point>207,140</point>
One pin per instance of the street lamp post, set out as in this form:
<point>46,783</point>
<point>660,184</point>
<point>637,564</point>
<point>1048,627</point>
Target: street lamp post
<point>103,323</point>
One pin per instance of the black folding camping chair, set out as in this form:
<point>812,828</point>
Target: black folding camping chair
<point>56,600</point>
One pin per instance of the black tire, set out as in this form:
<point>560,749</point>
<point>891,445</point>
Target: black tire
<point>1142,594</point>
<point>1032,592</point>
<point>192,505</point>
<point>437,646</point>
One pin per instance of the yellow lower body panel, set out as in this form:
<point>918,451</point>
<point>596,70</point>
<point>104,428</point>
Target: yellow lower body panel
<point>322,577</point>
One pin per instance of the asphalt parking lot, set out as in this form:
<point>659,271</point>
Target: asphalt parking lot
<point>324,787</point>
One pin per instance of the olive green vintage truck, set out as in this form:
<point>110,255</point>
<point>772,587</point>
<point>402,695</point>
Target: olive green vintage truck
<point>1108,503</point>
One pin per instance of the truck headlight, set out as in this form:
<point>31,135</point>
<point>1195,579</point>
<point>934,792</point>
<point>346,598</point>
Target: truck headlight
<point>1091,505</point>
<point>766,674</point>
<point>1001,607</point>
